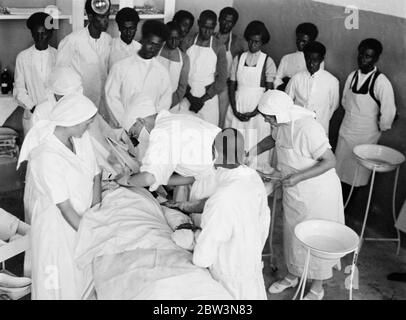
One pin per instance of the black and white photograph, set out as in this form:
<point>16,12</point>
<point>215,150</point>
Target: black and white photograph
<point>203,155</point>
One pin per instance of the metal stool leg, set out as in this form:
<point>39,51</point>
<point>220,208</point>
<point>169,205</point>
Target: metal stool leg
<point>273,214</point>
<point>352,187</point>
<point>354,262</point>
<point>367,210</point>
<point>394,208</point>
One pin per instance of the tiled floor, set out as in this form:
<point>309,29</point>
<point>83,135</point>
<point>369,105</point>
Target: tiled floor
<point>375,262</point>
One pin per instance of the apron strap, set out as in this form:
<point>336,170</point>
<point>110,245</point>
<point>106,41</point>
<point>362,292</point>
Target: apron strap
<point>180,57</point>
<point>160,50</point>
<point>229,42</point>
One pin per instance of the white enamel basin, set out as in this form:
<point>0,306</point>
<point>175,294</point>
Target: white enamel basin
<point>326,239</point>
<point>382,158</point>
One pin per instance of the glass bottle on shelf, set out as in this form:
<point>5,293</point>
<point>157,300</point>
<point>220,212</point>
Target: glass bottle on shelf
<point>6,81</point>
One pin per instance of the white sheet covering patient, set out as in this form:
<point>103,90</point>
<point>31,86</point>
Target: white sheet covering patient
<point>127,246</point>
<point>235,225</point>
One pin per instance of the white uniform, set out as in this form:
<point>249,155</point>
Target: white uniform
<point>121,50</point>
<point>318,92</point>
<point>58,175</point>
<point>298,146</point>
<point>235,226</point>
<point>32,71</point>
<point>248,94</point>
<point>291,64</point>
<point>182,144</point>
<point>360,124</point>
<point>88,57</point>
<point>203,66</point>
<point>135,76</point>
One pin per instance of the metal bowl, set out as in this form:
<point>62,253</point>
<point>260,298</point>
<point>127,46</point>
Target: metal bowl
<point>327,240</point>
<point>378,157</point>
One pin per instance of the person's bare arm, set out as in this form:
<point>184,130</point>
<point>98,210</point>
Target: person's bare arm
<point>188,207</point>
<point>142,179</point>
<point>178,180</point>
<point>264,145</point>
<point>325,162</point>
<point>97,194</point>
<point>69,214</point>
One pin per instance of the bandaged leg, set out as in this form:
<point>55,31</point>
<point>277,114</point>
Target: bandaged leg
<point>184,238</point>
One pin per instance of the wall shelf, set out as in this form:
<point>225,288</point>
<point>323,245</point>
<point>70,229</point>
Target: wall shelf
<point>142,16</point>
<point>24,17</point>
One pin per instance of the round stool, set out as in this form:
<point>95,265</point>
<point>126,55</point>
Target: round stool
<point>378,159</point>
<point>326,240</point>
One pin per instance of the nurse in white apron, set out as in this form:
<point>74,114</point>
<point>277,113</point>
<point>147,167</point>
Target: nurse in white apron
<point>311,188</point>
<point>369,105</point>
<point>177,63</point>
<point>252,73</point>
<point>208,72</point>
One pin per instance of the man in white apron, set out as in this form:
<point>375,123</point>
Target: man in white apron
<point>176,62</point>
<point>140,75</point>
<point>87,51</point>
<point>33,67</point>
<point>125,46</point>
<point>369,105</point>
<point>208,70</point>
<point>228,18</point>
<point>293,63</point>
<point>252,73</point>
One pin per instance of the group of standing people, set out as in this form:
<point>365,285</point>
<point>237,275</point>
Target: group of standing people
<point>217,77</point>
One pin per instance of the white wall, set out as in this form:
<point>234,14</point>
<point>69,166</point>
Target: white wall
<point>395,8</point>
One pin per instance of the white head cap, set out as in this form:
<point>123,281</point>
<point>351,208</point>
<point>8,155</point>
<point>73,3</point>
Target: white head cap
<point>277,103</point>
<point>68,112</point>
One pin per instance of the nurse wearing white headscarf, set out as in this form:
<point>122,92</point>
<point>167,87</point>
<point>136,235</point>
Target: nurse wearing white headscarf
<point>62,82</point>
<point>311,188</point>
<point>66,179</point>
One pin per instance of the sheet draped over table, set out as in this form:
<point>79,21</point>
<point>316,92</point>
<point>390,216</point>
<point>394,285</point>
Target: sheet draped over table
<point>126,249</point>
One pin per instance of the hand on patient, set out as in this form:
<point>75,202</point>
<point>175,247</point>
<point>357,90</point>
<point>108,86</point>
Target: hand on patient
<point>187,207</point>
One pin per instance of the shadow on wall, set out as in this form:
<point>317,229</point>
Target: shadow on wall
<point>282,17</point>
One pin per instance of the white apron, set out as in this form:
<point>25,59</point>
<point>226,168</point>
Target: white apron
<point>174,68</point>
<point>247,97</point>
<point>359,126</point>
<point>224,100</point>
<point>203,66</point>
<point>55,275</point>
<point>315,198</point>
